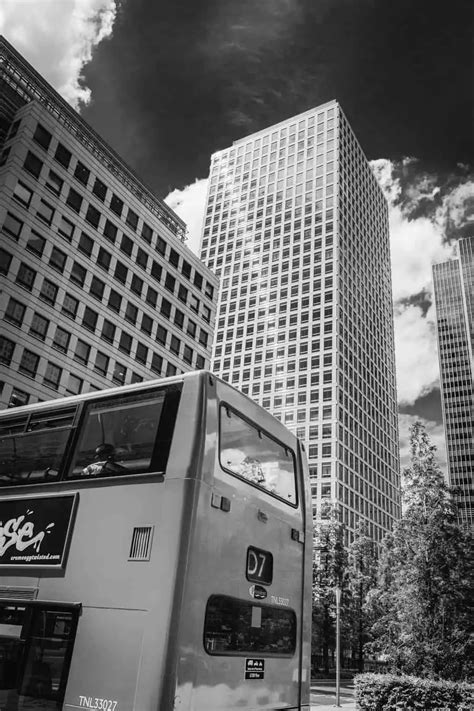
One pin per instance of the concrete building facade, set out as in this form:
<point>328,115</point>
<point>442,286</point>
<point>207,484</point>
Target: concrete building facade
<point>454,298</point>
<point>296,227</point>
<point>97,285</point>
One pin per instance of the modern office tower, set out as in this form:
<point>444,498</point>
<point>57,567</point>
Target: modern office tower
<point>454,298</point>
<point>98,287</point>
<point>297,228</point>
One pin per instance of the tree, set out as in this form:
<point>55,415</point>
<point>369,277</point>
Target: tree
<point>329,572</point>
<point>421,601</point>
<point>362,577</point>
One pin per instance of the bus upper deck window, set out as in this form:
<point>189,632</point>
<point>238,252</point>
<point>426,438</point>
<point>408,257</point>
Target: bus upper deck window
<point>248,452</point>
<point>121,436</point>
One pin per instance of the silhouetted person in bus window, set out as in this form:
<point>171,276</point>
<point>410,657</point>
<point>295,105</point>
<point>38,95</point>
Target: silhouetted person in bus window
<point>105,464</point>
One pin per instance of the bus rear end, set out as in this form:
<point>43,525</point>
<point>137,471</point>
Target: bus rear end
<point>244,623</point>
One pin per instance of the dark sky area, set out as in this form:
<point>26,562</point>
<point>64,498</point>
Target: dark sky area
<point>180,79</point>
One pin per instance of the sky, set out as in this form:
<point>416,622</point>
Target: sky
<point>168,83</point>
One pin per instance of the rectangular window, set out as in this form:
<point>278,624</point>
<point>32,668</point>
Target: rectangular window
<point>45,212</point>
<point>126,245</point>
<point>74,384</point>
<point>22,194</point>
<point>251,454</point>
<point>86,244</point>
<point>132,219</point>
<point>198,280</point>
<point>116,205</point>
<point>103,259</point>
<point>156,271</point>
<point>6,350</point>
<point>82,173</point>
<point>99,189</point>
<point>39,326</point>
<point>147,233</point>
<point>18,398</point>
<point>82,352</point>
<point>70,306</point>
<point>35,243</point>
<point>66,228</point>
<point>54,182</point>
<point>29,363</point>
<point>188,354</point>
<point>182,293</point>
<point>74,200</point>
<point>26,276</point>
<point>156,363</point>
<point>142,258</point>
<point>131,313</point>
<point>42,137</point>
<point>108,331</point>
<point>137,285</point>
<point>93,216</point>
<point>161,246</point>
<point>165,308</point>
<point>101,363</point>
<point>61,339</point>
<point>170,282</point>
<point>244,627</point>
<point>97,288</point>
<point>15,312</point>
<point>146,324</point>
<point>191,328</point>
<point>174,258</point>
<point>121,272</point>
<point>63,155</point>
<point>186,269</point>
<point>125,342</point>
<point>151,296</point>
<point>175,345</point>
<point>57,259</point>
<point>110,231</point>
<point>78,274</point>
<point>89,319</point>
<point>33,164</point>
<point>49,292</point>
<point>12,225</point>
<point>115,301</point>
<point>119,374</point>
<point>52,376</point>
<point>203,338</point>
<point>179,318</point>
<point>161,335</point>
<point>141,354</point>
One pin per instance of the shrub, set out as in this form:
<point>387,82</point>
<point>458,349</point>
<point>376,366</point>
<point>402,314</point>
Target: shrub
<point>388,692</point>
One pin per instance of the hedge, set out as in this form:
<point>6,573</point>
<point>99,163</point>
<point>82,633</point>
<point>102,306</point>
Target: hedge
<point>389,692</point>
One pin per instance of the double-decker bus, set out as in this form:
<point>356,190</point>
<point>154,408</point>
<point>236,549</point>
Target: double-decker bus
<point>155,552</point>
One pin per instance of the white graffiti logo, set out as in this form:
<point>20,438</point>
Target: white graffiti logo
<point>20,533</point>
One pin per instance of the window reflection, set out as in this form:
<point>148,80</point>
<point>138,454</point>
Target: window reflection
<point>253,455</point>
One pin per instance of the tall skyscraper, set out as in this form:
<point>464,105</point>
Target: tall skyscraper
<point>296,226</point>
<point>454,298</point>
<point>98,286</point>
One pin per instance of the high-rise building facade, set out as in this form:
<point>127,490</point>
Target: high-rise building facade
<point>296,227</point>
<point>98,286</point>
<point>454,298</point>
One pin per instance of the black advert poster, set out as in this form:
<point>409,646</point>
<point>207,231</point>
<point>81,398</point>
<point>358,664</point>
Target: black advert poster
<point>34,531</point>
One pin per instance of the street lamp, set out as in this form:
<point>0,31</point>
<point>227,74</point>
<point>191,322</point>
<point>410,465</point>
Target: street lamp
<point>338,653</point>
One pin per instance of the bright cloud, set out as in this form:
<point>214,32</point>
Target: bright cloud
<point>190,204</point>
<point>57,37</point>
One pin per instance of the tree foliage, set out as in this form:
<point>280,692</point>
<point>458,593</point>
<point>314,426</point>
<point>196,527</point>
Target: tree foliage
<point>421,607</point>
<point>329,572</point>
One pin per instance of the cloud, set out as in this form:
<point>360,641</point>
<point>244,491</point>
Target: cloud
<point>190,203</point>
<point>435,432</point>
<point>57,37</point>
<point>425,212</point>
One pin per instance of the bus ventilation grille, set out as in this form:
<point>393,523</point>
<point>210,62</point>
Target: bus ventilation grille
<point>140,547</point>
<point>7,591</point>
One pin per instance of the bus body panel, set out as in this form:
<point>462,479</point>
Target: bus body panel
<point>139,644</point>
